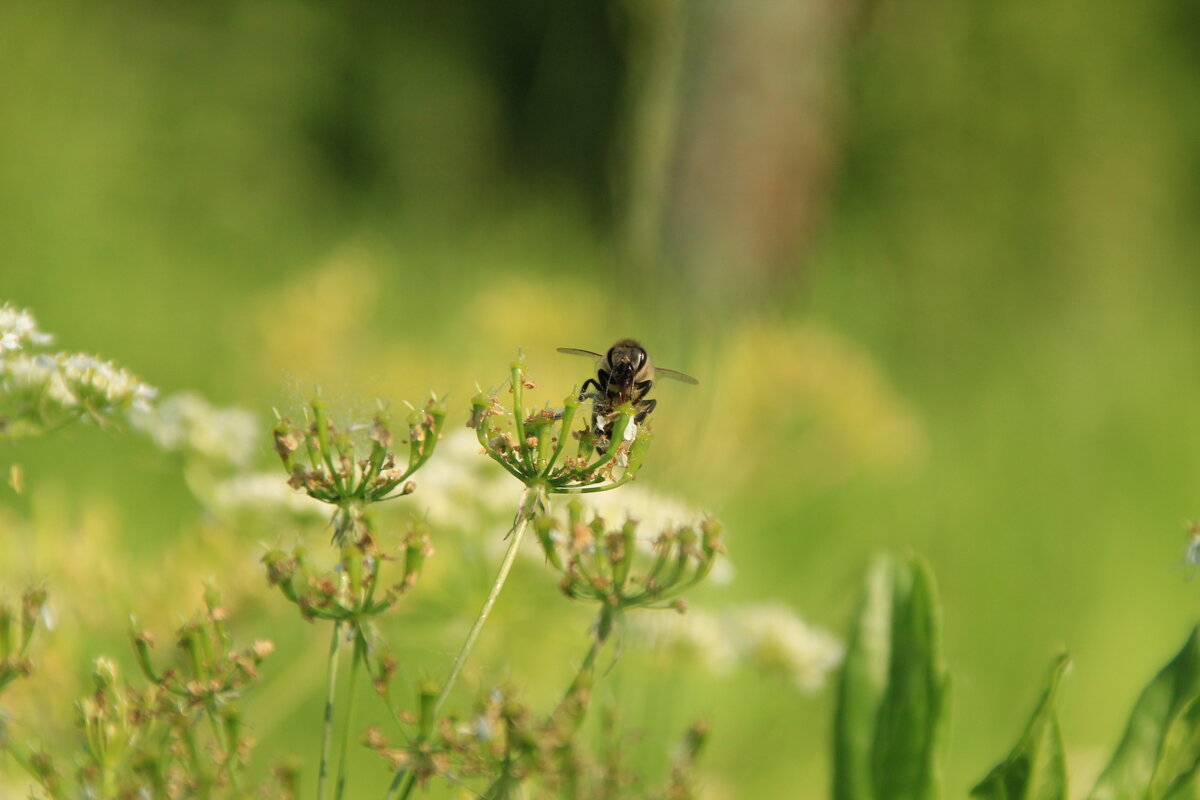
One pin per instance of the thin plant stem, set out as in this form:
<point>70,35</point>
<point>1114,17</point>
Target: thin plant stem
<point>410,780</point>
<point>224,745</point>
<point>588,662</point>
<point>327,726</point>
<point>348,722</point>
<point>510,556</point>
<point>405,779</point>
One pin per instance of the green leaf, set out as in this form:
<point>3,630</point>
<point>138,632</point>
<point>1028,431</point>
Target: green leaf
<point>1160,751</point>
<point>893,688</point>
<point>1036,768</point>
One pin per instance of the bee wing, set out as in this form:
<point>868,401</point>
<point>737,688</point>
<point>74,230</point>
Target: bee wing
<point>575,351</point>
<point>674,375</point>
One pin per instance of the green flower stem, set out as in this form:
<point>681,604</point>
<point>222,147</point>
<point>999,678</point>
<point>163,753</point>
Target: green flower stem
<point>409,778</point>
<point>570,405</point>
<point>203,780</point>
<point>510,556</point>
<point>518,387</point>
<point>25,762</point>
<point>585,669</point>
<point>348,722</point>
<point>322,430</point>
<point>327,726</point>
<point>593,489</point>
<point>481,435</point>
<point>615,440</point>
<point>223,744</point>
<point>405,779</point>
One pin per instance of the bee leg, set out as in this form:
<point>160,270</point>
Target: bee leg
<point>583,390</point>
<point>603,375</point>
<point>640,389</point>
<point>645,407</point>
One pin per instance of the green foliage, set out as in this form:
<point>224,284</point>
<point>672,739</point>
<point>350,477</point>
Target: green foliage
<point>892,702</point>
<point>16,632</point>
<point>182,732</point>
<point>1036,768</point>
<point>892,695</point>
<point>1160,751</point>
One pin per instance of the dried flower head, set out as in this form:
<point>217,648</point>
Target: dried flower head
<point>606,564</point>
<point>531,446</point>
<point>325,461</point>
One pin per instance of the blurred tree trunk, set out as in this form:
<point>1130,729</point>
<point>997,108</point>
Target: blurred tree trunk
<point>733,136</point>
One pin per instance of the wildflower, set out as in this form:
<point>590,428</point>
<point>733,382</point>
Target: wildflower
<point>18,327</point>
<point>186,422</point>
<point>777,640</point>
<point>531,446</point>
<point>695,637</point>
<point>654,511</point>
<point>262,492</point>
<point>40,392</point>
<point>16,632</point>
<point>601,563</point>
<point>338,473</point>
<point>99,384</point>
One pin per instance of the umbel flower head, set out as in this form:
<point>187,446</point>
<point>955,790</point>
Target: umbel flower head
<point>43,391</point>
<point>144,741</point>
<point>532,447</point>
<point>16,631</point>
<point>605,564</point>
<point>334,469</point>
<point>354,590</point>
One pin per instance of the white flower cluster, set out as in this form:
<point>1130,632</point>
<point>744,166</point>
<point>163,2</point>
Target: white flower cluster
<point>18,327</point>
<point>769,637</point>
<point>101,385</point>
<point>264,492</point>
<point>773,637</point>
<point>44,389</point>
<point>39,391</point>
<point>697,637</point>
<point>186,422</point>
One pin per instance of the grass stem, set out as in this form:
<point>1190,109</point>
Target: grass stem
<point>327,726</point>
<point>348,722</point>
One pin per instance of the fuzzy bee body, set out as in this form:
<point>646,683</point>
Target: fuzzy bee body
<point>624,375</point>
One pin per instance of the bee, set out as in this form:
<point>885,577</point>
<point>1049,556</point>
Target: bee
<point>623,375</point>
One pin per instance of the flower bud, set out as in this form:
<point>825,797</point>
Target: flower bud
<point>427,692</point>
<point>545,528</point>
<point>33,607</point>
<point>417,547</point>
<point>143,640</point>
<point>479,408</point>
<point>621,550</point>
<point>105,674</point>
<point>287,442</point>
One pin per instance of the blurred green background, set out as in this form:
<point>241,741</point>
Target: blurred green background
<point>933,263</point>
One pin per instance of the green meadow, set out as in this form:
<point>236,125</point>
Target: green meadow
<point>979,346</point>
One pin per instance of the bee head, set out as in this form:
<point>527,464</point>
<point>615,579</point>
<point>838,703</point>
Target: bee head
<point>625,359</point>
